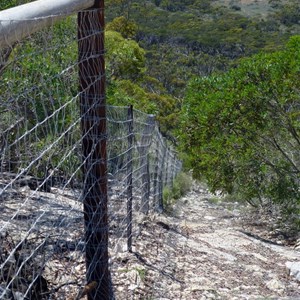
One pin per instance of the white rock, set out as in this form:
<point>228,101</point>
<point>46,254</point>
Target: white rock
<point>209,218</point>
<point>294,269</point>
<point>134,277</point>
<point>132,287</point>
<point>275,285</point>
<point>254,268</point>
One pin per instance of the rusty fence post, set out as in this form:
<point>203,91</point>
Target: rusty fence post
<point>93,126</point>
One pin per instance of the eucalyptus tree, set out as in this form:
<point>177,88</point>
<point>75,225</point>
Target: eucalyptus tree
<point>241,129</point>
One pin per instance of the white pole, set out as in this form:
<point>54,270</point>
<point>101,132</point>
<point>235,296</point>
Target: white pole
<point>19,22</point>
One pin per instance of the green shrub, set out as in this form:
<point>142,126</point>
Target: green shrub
<point>167,196</point>
<point>181,186</point>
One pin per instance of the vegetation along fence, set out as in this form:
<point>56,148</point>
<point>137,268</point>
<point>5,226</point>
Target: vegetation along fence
<point>75,174</point>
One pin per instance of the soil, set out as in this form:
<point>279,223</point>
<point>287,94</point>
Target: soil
<point>202,248</point>
<point>205,248</point>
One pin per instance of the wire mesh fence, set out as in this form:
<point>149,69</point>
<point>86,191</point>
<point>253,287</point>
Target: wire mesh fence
<point>61,163</point>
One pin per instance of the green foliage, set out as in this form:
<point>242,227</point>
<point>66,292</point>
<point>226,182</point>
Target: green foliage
<point>5,4</point>
<point>128,84</point>
<point>167,197</point>
<point>289,13</point>
<point>50,63</point>
<point>124,26</point>
<point>181,186</point>
<point>40,82</point>
<point>241,129</point>
<point>126,92</point>
<point>174,5</point>
<point>126,59</point>
<point>174,66</point>
<point>184,39</point>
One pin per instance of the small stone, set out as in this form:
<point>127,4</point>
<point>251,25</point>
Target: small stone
<point>294,269</point>
<point>132,287</point>
<point>209,218</point>
<point>134,277</point>
<point>254,268</point>
<point>79,268</point>
<point>275,285</point>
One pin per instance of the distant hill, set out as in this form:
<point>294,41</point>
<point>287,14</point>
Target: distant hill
<point>186,38</point>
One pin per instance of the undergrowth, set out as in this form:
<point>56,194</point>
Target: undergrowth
<point>181,186</point>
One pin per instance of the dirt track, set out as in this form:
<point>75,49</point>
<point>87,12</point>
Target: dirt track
<point>202,251</point>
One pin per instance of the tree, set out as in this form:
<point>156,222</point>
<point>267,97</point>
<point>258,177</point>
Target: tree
<point>289,13</point>
<point>241,129</point>
<point>122,25</point>
<point>124,5</point>
<point>126,59</point>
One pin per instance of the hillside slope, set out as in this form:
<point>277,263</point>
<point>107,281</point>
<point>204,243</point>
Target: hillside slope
<point>202,251</point>
<point>191,38</point>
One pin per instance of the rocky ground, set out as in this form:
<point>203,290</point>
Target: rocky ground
<point>205,249</point>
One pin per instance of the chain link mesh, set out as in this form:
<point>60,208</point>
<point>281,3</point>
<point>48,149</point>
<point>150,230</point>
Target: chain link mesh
<point>42,186</point>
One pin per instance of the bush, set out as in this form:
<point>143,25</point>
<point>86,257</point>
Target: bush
<point>241,129</point>
<point>181,186</point>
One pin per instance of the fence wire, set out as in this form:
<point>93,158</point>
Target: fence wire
<point>42,182</point>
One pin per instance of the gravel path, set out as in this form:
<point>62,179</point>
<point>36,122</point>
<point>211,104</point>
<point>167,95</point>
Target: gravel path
<point>201,251</point>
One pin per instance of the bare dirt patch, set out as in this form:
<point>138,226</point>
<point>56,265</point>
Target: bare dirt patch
<point>201,251</point>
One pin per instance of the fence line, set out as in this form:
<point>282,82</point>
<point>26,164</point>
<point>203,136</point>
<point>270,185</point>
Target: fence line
<point>56,174</point>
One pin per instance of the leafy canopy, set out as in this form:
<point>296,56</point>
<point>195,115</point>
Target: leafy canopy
<point>241,129</point>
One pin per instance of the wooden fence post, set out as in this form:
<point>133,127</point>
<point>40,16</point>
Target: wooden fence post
<point>93,125</point>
